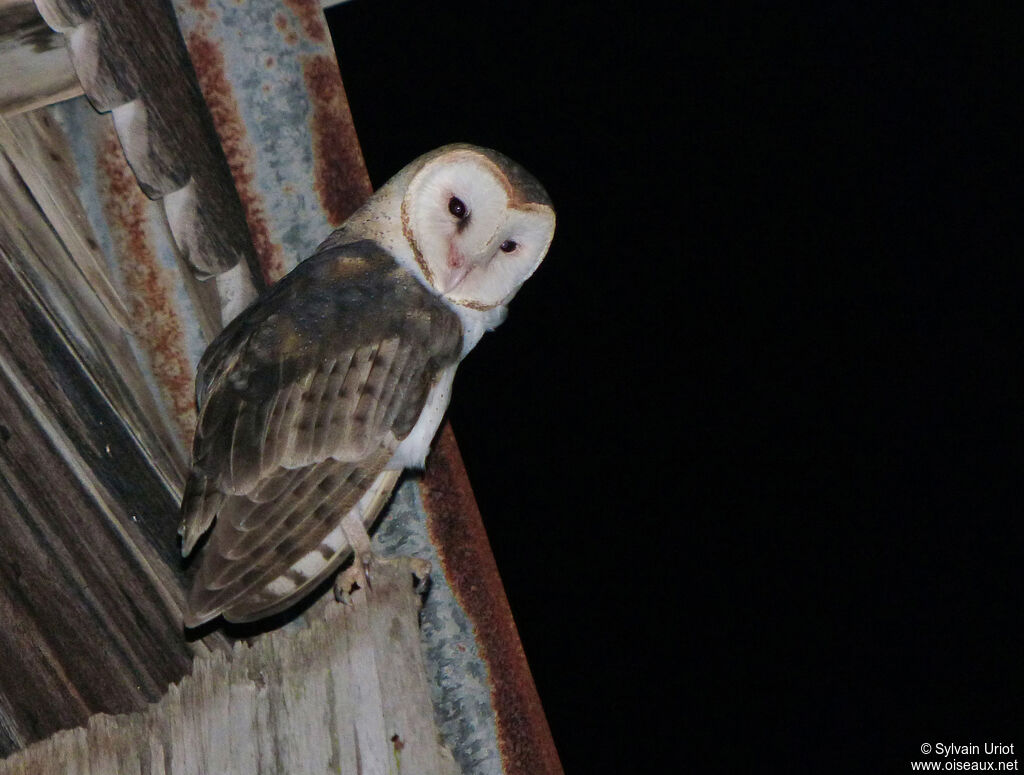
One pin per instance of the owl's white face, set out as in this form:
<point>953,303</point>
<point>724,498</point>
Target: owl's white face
<point>476,234</point>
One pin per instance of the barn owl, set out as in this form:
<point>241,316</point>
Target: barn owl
<point>314,399</point>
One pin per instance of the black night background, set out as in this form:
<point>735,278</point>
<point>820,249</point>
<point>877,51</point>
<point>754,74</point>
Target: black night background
<point>748,446</point>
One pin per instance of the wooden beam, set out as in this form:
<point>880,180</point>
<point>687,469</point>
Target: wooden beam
<point>91,584</point>
<point>34,61</point>
<point>132,61</point>
<point>347,694</point>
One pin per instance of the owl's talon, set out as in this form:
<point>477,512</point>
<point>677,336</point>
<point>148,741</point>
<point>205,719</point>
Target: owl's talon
<point>420,570</point>
<point>420,577</point>
<point>349,581</point>
<point>363,564</point>
<point>367,569</point>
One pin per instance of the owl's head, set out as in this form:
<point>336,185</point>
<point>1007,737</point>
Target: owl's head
<point>478,223</point>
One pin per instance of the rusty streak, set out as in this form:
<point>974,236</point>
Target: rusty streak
<point>154,315</point>
<point>227,119</point>
<point>342,182</point>
<point>456,528</point>
<point>311,17</point>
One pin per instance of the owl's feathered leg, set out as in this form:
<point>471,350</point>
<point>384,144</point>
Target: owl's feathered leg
<point>358,575</point>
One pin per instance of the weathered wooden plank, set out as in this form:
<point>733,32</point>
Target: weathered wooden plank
<point>407,727</point>
<point>92,631</point>
<point>300,696</point>
<point>35,64</point>
<point>131,60</point>
<point>88,567</point>
<point>39,151</point>
<point>40,261</point>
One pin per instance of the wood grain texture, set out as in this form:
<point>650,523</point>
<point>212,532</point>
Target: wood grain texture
<point>93,610</point>
<point>35,64</point>
<point>91,587</point>
<point>348,694</point>
<point>38,255</point>
<point>39,151</point>
<point>131,60</point>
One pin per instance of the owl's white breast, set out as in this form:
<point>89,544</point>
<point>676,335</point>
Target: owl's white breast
<point>413,450</point>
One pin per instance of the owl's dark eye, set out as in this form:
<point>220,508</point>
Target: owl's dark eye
<point>509,245</point>
<point>457,207</point>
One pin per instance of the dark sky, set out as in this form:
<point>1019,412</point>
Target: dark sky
<point>748,447</point>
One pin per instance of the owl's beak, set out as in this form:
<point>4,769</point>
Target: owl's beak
<point>454,277</point>
<point>458,267</point>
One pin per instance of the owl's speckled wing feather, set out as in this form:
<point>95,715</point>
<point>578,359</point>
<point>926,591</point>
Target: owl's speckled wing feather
<point>302,402</point>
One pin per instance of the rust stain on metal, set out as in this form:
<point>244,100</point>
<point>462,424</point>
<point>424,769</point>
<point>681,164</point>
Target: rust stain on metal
<point>311,17</point>
<point>342,182</point>
<point>457,531</point>
<point>154,316</point>
<point>291,37</point>
<point>227,120</point>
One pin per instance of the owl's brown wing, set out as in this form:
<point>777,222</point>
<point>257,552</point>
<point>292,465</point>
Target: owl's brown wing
<point>302,402</point>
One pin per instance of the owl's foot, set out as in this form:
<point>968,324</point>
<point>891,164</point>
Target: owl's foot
<point>346,585</point>
<point>358,575</point>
